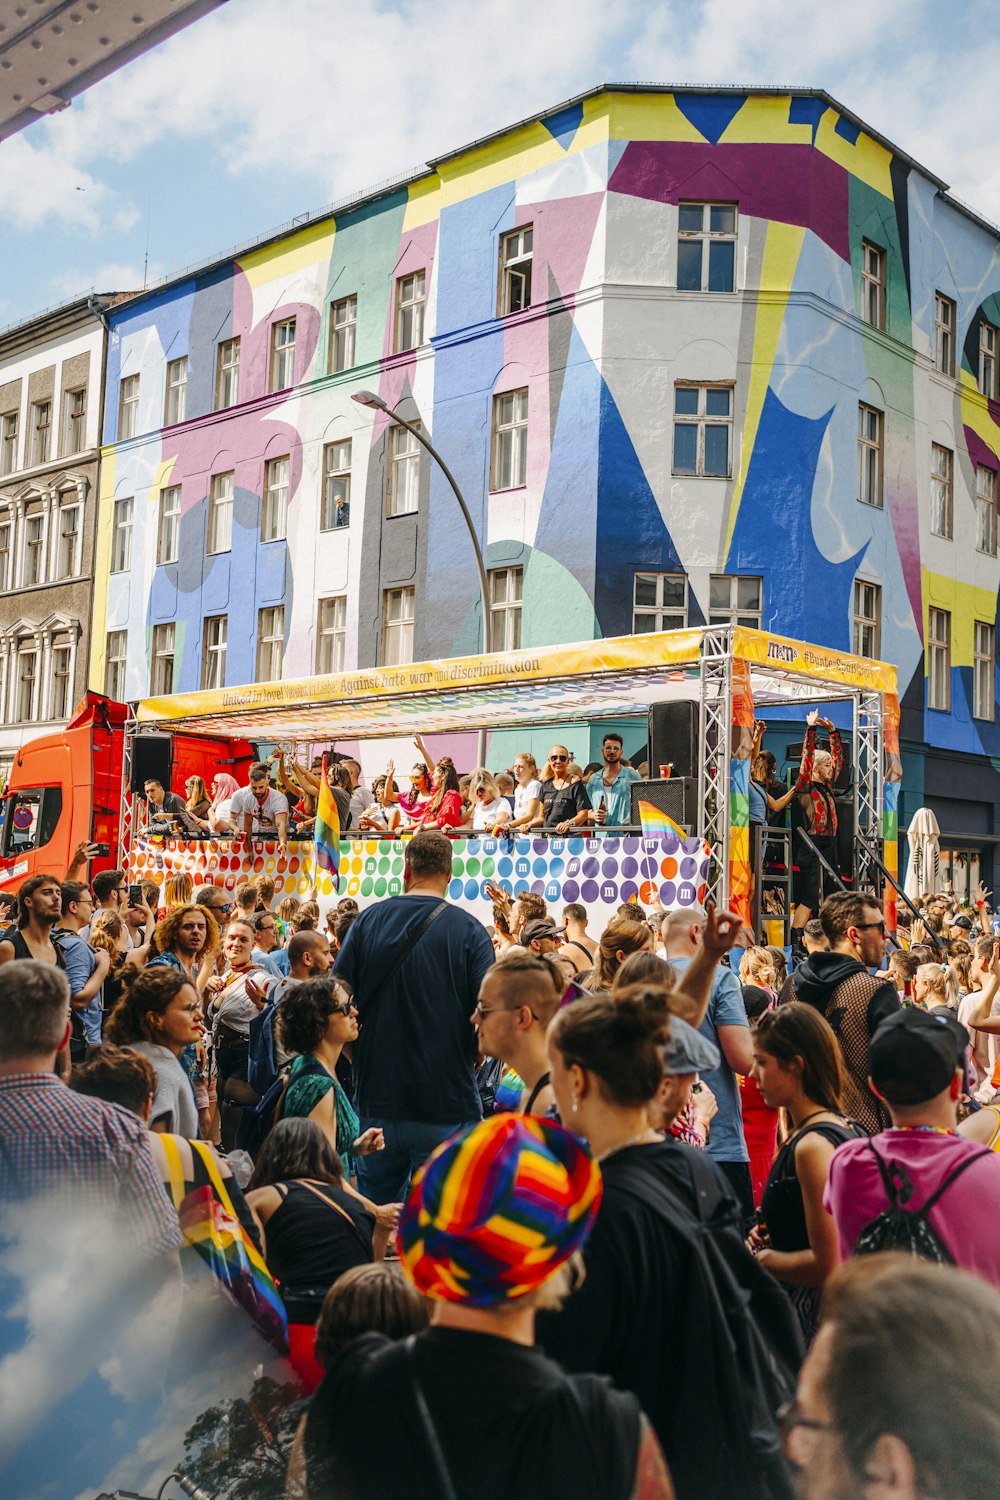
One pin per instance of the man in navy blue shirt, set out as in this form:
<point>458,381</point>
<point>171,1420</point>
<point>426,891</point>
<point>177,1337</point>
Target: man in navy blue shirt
<point>414,1061</point>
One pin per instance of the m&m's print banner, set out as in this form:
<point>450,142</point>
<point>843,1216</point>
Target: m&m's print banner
<point>600,872</point>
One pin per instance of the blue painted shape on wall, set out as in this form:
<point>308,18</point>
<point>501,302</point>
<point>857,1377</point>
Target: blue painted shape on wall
<point>169,313</point>
<point>569,505</point>
<point>631,534</point>
<point>805,594</point>
<point>847,129</point>
<point>564,124</point>
<point>466,265</point>
<point>807,111</point>
<point>712,114</point>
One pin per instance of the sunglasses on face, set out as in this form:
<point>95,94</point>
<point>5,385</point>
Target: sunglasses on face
<point>558,757</point>
<point>863,926</point>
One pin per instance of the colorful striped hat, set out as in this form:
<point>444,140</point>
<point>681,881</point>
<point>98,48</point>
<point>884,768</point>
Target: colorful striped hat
<point>497,1209</point>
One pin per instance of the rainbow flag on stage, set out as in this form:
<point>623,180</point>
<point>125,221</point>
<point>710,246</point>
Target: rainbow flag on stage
<point>655,823</point>
<point>327,833</point>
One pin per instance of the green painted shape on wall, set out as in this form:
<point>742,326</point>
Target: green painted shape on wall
<point>365,251</point>
<point>872,216</point>
<point>555,607</point>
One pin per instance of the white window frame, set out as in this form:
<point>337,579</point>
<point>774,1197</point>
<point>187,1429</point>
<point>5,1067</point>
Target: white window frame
<point>9,424</point>
<point>343,334</point>
<point>282,363</point>
<point>69,542</point>
<point>6,551</point>
<point>60,685</point>
<point>227,373</point>
<point>868,445</point>
<point>115,664</point>
<point>705,237</point>
<point>510,440</point>
<point>221,491</point>
<point>397,626</point>
<point>945,318</point>
<point>331,634</point>
<point>663,614</point>
<point>983,670</point>
<point>168,525</point>
<point>270,643</point>
<point>164,649</point>
<point>701,420</point>
<point>121,534</point>
<point>873,284</point>
<point>942,491</point>
<point>128,407</point>
<point>506,597</point>
<point>27,650</point>
<point>214,645</point>
<point>411,302</point>
<point>986,510</point>
<point>337,459</point>
<point>733,613</point>
<point>867,632</point>
<point>75,420</point>
<point>34,548</point>
<point>274,501</point>
<point>41,432</point>
<point>989,360</point>
<point>939,659</point>
<point>514,275</point>
<point>175,392</point>
<point>403,487</point>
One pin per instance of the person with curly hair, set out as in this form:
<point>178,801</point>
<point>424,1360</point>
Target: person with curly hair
<point>160,1016</point>
<point>186,939</point>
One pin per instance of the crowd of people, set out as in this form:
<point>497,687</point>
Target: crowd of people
<point>534,1209</point>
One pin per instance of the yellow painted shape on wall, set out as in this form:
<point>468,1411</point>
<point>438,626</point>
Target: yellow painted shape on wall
<point>866,159</point>
<point>648,117</point>
<point>967,605</point>
<point>764,120</point>
<point>976,415</point>
<point>162,477</point>
<point>311,246</point>
<point>782,249</point>
<point>102,568</point>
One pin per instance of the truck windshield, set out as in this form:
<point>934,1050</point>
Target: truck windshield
<point>30,818</point>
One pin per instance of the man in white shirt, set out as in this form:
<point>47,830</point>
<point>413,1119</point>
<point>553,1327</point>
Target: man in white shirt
<point>259,811</point>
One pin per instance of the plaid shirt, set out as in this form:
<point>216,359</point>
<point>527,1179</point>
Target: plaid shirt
<point>52,1140</point>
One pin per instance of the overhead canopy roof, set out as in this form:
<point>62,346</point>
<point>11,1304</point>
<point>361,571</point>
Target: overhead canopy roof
<point>594,679</point>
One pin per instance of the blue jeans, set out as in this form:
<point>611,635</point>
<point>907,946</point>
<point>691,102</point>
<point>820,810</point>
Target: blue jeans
<point>384,1177</point>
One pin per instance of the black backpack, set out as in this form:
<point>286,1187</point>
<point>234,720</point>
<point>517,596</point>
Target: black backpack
<point>908,1229</point>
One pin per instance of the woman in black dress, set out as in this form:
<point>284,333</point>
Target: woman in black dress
<point>565,803</point>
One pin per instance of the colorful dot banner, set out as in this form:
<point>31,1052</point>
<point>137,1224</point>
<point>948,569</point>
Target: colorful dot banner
<point>600,872</point>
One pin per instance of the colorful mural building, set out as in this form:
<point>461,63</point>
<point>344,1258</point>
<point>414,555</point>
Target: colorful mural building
<point>692,356</point>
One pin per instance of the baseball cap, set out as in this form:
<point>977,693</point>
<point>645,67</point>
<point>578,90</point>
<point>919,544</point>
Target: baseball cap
<point>914,1054</point>
<point>962,921</point>
<point>496,1209</point>
<point>688,1051</point>
<point>539,927</point>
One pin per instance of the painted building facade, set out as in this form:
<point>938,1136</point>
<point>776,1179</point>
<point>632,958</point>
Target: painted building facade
<point>691,355</point>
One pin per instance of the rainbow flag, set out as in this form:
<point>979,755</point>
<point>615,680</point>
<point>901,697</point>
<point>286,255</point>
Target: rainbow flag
<point>327,833</point>
<point>655,823</point>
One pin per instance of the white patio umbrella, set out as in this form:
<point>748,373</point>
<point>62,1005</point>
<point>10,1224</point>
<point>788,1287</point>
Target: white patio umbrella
<point>923,873</point>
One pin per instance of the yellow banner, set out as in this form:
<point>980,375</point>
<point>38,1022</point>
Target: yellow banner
<point>783,655</point>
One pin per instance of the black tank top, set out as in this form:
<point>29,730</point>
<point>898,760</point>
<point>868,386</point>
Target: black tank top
<point>21,949</point>
<point>315,1235</point>
<point>781,1206</point>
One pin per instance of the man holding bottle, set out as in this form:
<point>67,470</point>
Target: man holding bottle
<point>608,789</point>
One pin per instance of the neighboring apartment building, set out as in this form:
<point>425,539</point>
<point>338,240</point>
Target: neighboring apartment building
<point>51,386</point>
<point>692,356</point>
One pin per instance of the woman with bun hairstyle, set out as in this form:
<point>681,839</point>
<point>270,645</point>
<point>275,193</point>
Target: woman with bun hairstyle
<point>936,984</point>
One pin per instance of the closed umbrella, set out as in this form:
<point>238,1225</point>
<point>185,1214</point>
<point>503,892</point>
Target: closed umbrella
<point>923,872</point>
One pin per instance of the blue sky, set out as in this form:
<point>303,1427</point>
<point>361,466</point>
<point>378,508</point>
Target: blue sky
<point>272,108</point>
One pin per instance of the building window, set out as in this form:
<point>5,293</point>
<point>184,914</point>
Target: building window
<point>409,311</point>
<point>168,531</point>
<point>939,659</point>
<point>162,676</point>
<point>397,627</point>
<point>34,550</point>
<point>8,442</point>
<point>115,652</point>
<point>175,404</point>
<point>659,601</point>
<point>869,455</point>
<point>735,599</point>
<point>942,507</point>
<point>343,333</point>
<point>27,684</point>
<point>5,573</point>
<point>270,643</point>
<point>75,421</point>
<point>944,334</point>
<point>988,361</point>
<point>331,634</point>
<point>984,655</point>
<point>505,608</point>
<point>213,651</point>
<point>706,247</point>
<point>703,428</point>
<point>335,510</point>
<point>510,440</point>
<point>41,432</point>
<point>220,512</point>
<point>873,284</point>
<point>128,408</point>
<point>283,355</point>
<point>404,472</point>
<point>986,510</point>
<point>227,374</point>
<point>60,698</point>
<point>121,541</point>
<point>867,619</point>
<point>274,508</point>
<point>515,271</point>
<point>68,558</point>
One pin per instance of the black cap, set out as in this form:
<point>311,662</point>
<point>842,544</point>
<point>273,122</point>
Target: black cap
<point>537,928</point>
<point>914,1054</point>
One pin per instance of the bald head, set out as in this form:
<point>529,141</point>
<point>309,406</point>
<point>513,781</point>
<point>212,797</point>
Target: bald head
<point>680,930</point>
<point>308,954</point>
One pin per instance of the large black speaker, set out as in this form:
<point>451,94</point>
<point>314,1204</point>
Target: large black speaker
<point>845,838</point>
<point>673,736</point>
<point>677,796</point>
<point>793,756</point>
<point>152,760</point>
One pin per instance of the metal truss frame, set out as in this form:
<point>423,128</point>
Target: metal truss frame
<point>715,728</point>
<point>869,725</point>
<point>126,818</point>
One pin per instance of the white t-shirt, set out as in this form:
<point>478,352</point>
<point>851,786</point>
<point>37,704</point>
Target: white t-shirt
<point>486,815</point>
<point>264,813</point>
<point>524,796</point>
<point>224,811</point>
